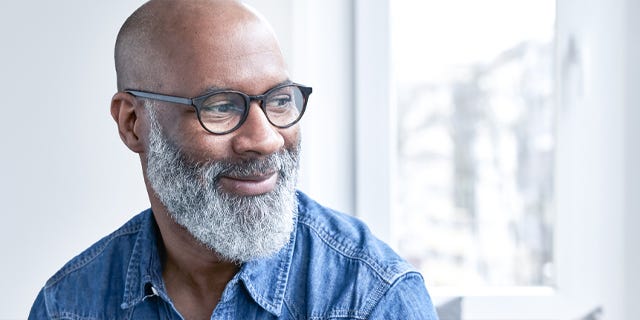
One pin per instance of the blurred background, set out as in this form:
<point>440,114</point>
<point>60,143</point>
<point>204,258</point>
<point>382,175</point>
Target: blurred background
<point>492,143</point>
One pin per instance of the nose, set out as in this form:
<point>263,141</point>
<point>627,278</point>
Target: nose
<point>256,136</point>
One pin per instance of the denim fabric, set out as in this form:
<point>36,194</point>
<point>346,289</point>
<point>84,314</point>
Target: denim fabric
<point>333,268</point>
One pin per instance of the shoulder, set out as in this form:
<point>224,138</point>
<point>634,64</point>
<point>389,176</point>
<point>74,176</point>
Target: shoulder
<point>92,277</point>
<point>348,237</point>
<point>98,250</point>
<point>340,269</point>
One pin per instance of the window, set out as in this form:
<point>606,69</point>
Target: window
<point>594,80</point>
<point>475,140</point>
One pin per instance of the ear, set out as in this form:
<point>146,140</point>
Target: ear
<point>128,115</point>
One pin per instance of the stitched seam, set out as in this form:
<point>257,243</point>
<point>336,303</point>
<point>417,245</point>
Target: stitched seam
<point>131,277</point>
<point>329,238</point>
<point>46,302</point>
<point>340,313</point>
<point>349,252</point>
<point>285,268</point>
<point>91,255</point>
<point>292,310</point>
<point>369,307</point>
<point>71,316</point>
<point>259,299</point>
<point>377,296</point>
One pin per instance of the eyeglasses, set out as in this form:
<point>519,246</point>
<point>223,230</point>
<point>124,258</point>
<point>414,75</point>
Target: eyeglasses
<point>223,111</point>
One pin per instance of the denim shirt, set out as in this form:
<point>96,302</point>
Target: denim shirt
<point>332,268</point>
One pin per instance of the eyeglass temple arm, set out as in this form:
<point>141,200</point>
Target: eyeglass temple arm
<point>161,97</point>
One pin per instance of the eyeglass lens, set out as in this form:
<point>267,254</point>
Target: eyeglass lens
<point>223,111</point>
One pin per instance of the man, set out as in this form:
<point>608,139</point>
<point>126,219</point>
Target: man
<point>227,235</point>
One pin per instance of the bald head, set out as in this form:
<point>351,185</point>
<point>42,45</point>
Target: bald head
<point>164,39</point>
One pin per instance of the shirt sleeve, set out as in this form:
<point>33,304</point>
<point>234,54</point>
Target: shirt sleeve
<point>39,308</point>
<point>406,299</point>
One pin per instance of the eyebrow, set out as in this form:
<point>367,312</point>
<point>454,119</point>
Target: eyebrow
<point>217,89</point>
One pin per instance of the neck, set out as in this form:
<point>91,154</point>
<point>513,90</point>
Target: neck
<point>194,275</point>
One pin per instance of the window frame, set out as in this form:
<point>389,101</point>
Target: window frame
<point>376,143</point>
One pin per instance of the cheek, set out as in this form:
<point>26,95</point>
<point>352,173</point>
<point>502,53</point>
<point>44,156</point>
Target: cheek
<point>203,146</point>
<point>291,136</point>
<point>187,133</point>
<point>179,121</point>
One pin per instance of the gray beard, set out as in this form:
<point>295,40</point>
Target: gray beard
<point>237,228</point>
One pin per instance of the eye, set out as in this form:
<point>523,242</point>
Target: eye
<point>222,107</point>
<point>221,111</point>
<point>281,101</point>
<point>223,104</point>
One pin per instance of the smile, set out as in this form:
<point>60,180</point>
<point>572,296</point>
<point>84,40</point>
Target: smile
<point>252,185</point>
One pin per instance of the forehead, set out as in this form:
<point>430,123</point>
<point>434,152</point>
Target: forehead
<point>224,50</point>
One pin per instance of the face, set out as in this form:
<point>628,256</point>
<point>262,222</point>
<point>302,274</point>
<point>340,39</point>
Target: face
<point>238,228</point>
<point>246,59</point>
<point>235,193</point>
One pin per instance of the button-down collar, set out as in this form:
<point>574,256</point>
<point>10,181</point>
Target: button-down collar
<point>264,279</point>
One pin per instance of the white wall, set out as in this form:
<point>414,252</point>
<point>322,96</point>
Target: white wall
<point>597,174</point>
<point>66,179</point>
<point>631,231</point>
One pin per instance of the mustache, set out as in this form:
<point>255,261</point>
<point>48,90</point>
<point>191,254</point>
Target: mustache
<point>283,162</point>
<point>276,162</point>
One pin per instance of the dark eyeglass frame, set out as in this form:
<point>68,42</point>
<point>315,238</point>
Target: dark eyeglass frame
<point>197,102</point>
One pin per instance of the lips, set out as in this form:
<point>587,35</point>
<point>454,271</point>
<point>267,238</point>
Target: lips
<point>250,185</point>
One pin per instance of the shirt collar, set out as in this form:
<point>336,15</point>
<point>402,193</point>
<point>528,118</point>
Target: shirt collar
<point>266,279</point>
<point>145,270</point>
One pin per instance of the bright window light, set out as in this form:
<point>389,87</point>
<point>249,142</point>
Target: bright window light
<point>475,150</point>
